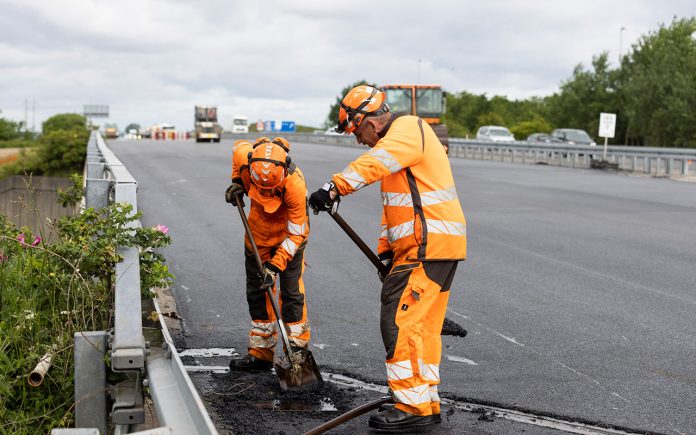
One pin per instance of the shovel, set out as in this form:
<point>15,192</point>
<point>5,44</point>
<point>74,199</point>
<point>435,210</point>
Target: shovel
<point>448,328</point>
<point>294,369</point>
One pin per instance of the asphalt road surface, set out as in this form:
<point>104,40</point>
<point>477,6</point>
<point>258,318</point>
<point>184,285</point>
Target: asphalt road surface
<point>579,292</point>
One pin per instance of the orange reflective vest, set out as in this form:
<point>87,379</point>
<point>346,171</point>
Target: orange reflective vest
<point>287,226</point>
<point>422,218</point>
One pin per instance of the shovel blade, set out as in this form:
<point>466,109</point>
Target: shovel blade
<point>298,370</point>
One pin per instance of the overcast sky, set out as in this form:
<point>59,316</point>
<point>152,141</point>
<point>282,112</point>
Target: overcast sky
<point>152,61</point>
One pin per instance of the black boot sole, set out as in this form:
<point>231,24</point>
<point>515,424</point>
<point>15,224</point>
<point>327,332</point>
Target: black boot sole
<point>385,406</point>
<point>400,427</point>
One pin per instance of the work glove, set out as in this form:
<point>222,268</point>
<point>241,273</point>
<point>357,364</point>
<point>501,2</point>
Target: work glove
<point>268,275</point>
<point>321,199</point>
<point>232,192</point>
<point>387,259</point>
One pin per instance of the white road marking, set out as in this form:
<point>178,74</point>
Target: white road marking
<point>508,414</point>
<point>320,345</point>
<point>460,359</point>
<point>207,369</point>
<point>213,351</point>
<point>512,340</point>
<point>505,337</point>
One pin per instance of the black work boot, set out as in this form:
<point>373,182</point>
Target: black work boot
<point>390,405</point>
<point>396,420</point>
<point>250,363</point>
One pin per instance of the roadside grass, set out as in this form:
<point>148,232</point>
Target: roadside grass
<point>49,291</point>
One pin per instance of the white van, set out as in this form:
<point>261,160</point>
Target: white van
<point>240,124</point>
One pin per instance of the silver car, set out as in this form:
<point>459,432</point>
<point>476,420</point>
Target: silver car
<point>573,136</point>
<point>494,133</point>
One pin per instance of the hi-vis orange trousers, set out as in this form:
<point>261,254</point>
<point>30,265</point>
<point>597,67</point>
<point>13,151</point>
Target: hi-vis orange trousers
<point>414,301</point>
<point>263,335</point>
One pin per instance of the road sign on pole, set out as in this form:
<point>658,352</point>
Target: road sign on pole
<point>607,128</point>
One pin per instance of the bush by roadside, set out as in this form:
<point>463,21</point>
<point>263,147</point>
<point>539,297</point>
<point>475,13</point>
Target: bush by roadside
<point>49,291</point>
<point>59,151</point>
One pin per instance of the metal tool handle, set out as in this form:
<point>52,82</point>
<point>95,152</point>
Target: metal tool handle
<point>259,263</point>
<point>358,241</point>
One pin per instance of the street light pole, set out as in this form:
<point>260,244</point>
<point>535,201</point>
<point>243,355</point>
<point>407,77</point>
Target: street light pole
<point>621,43</point>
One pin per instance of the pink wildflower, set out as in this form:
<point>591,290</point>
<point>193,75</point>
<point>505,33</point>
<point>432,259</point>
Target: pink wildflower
<point>36,241</point>
<point>3,257</point>
<point>162,229</point>
<point>20,237</point>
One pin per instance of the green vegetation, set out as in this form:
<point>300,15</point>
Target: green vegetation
<point>49,291</point>
<point>652,92</point>
<point>59,151</point>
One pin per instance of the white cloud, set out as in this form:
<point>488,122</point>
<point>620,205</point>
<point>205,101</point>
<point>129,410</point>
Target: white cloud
<point>151,61</point>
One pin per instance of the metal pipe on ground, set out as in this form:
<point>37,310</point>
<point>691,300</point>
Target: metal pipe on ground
<point>36,377</point>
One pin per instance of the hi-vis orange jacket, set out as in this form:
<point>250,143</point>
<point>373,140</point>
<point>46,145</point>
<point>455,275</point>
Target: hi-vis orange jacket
<point>287,226</point>
<point>422,218</point>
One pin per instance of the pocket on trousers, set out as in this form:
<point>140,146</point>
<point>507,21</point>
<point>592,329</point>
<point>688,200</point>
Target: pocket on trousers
<point>395,283</point>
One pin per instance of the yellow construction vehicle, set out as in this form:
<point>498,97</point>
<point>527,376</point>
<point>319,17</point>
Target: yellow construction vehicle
<point>425,101</point>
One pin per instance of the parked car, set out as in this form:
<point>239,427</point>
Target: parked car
<point>494,133</point>
<point>543,138</point>
<point>573,136</point>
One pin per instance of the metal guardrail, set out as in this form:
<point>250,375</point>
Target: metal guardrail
<point>179,408</point>
<point>645,160</point>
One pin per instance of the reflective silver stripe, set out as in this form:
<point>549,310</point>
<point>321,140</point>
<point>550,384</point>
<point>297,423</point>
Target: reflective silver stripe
<point>355,180</point>
<point>263,342</point>
<point>429,372</point>
<point>399,231</point>
<point>386,159</point>
<point>295,229</point>
<point>262,335</point>
<point>289,246</point>
<point>296,330</point>
<point>434,397</point>
<point>263,328</point>
<point>434,226</point>
<point>394,199</point>
<point>254,174</point>
<point>446,227</point>
<point>399,370</point>
<point>413,396</point>
<point>397,199</point>
<point>384,233</point>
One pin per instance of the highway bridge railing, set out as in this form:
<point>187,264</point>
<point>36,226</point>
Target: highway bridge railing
<point>643,160</point>
<point>119,407</point>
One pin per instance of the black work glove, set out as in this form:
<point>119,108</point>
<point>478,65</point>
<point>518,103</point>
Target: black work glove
<point>321,199</point>
<point>268,275</point>
<point>232,192</point>
<point>387,259</point>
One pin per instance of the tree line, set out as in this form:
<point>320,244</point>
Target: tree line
<point>652,91</point>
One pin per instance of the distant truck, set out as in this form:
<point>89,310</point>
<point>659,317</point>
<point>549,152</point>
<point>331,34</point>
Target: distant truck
<point>240,124</point>
<point>206,125</point>
<point>110,131</point>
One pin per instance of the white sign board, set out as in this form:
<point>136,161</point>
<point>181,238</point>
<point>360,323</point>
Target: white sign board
<point>607,124</point>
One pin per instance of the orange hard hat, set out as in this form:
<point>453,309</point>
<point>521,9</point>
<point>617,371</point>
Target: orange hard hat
<point>268,168</point>
<point>359,102</point>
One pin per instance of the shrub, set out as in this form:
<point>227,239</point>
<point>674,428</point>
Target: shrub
<point>63,122</point>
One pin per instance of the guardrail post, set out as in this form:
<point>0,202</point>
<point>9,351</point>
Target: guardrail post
<point>90,380</point>
<point>669,163</point>
<point>685,167</point>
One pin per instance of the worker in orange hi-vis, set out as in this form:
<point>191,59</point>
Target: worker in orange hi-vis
<point>423,239</point>
<point>280,226</point>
